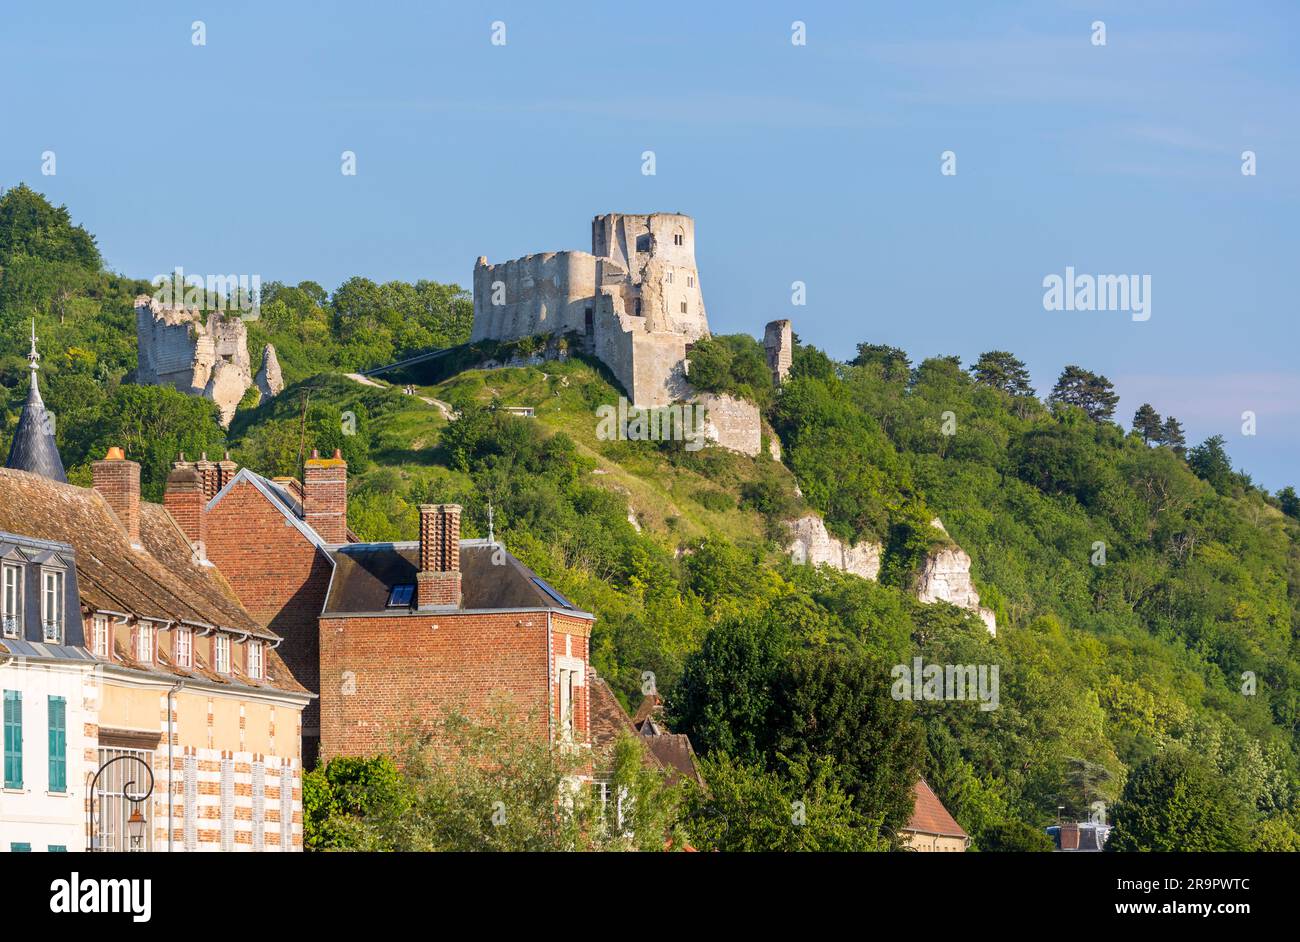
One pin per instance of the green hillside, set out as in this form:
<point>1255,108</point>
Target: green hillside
<point>1147,595</point>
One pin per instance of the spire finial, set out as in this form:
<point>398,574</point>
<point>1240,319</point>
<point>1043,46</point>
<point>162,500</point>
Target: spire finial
<point>33,357</point>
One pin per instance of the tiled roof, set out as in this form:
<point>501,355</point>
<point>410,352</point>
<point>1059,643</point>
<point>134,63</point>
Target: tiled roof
<point>491,578</point>
<point>609,720</point>
<point>161,581</point>
<point>652,706</point>
<point>929,816</point>
<point>674,752</point>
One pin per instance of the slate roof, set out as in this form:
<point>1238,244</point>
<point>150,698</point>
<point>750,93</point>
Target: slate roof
<point>491,579</point>
<point>33,447</point>
<point>929,816</point>
<point>163,582</point>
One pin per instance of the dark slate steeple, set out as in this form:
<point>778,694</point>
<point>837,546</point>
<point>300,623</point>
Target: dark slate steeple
<point>33,447</point>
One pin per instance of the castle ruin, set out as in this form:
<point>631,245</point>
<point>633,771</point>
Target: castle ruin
<point>177,348</point>
<point>635,299</point>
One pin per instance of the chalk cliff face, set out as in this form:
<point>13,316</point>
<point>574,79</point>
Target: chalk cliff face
<point>812,545</point>
<point>945,577</point>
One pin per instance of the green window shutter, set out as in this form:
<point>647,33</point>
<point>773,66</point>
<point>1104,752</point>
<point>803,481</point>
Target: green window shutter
<point>23,848</point>
<point>58,744</point>
<point>13,739</point>
<point>58,849</point>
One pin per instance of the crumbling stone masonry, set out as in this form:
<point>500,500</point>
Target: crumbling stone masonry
<point>635,299</point>
<point>778,341</point>
<point>177,348</point>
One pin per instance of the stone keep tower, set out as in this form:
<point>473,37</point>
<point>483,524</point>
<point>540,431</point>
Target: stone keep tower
<point>635,299</point>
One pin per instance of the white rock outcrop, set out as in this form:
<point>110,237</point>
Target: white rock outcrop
<point>811,544</point>
<point>178,346</point>
<point>269,379</point>
<point>945,577</point>
<point>731,423</point>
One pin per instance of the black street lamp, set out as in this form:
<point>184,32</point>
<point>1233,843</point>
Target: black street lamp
<point>135,822</point>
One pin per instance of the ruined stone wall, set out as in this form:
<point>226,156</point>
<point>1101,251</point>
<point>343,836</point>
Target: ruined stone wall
<point>732,423</point>
<point>778,342</point>
<point>544,293</point>
<point>636,297</point>
<point>177,347</point>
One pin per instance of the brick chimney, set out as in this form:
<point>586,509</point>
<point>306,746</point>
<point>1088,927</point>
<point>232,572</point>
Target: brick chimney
<point>207,475</point>
<point>185,501</point>
<point>438,581</point>
<point>325,496</point>
<point>118,480</point>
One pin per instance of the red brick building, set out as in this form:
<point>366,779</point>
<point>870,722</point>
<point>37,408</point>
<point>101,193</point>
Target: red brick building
<point>389,633</point>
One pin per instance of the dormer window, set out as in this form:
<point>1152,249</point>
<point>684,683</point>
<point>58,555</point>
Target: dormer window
<point>183,647</point>
<point>11,600</point>
<point>221,653</point>
<point>144,642</point>
<point>52,605</point>
<point>99,635</point>
<point>401,596</point>
<point>255,660</point>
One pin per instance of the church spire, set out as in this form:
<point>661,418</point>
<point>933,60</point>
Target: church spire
<point>33,447</point>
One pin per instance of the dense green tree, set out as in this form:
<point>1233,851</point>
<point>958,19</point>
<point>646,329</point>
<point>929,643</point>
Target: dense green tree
<point>893,364</point>
<point>30,226</point>
<point>1091,392</point>
<point>1289,502</point>
<point>1210,461</point>
<point>1174,803</point>
<point>1001,370</point>
<point>838,705</point>
<point>1146,422</point>
<point>799,808</point>
<point>1171,435</point>
<point>1016,837</point>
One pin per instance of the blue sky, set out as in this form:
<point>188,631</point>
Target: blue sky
<point>817,163</point>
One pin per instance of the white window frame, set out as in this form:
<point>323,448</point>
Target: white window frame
<point>568,705</point>
<point>145,640</point>
<point>183,647</point>
<point>255,660</point>
<point>11,599</point>
<point>99,634</point>
<point>52,620</point>
<point>221,653</point>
